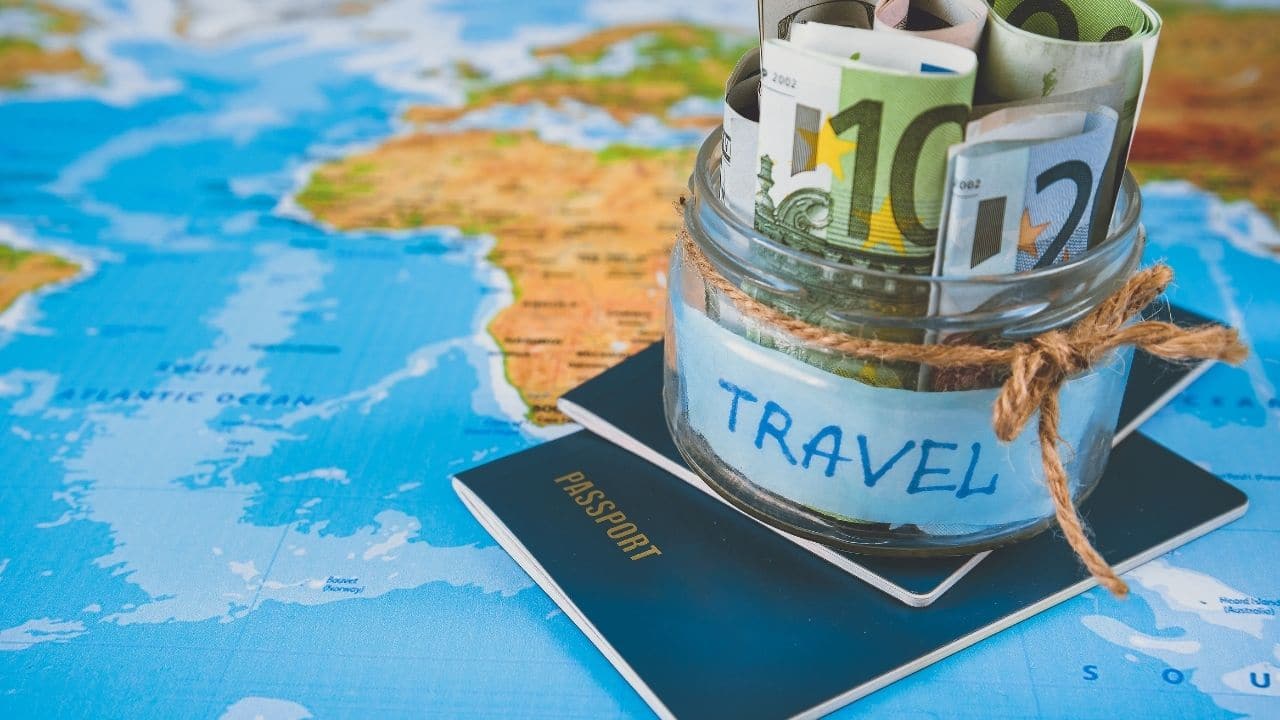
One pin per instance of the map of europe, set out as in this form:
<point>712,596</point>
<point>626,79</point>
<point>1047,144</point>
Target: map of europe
<point>272,272</point>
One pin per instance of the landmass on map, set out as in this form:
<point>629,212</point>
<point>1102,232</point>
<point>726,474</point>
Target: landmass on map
<point>1210,114</point>
<point>583,235</point>
<point>36,38</point>
<point>665,64</point>
<point>24,271</point>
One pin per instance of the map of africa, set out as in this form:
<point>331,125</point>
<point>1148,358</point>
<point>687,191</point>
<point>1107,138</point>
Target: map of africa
<point>271,272</point>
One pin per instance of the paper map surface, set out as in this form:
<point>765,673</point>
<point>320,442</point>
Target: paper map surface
<point>271,272</point>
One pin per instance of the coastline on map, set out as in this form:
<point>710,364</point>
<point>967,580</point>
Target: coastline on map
<point>503,391</point>
<point>489,363</point>
<point>479,246</point>
<point>89,59</point>
<point>287,206</point>
<point>22,311</point>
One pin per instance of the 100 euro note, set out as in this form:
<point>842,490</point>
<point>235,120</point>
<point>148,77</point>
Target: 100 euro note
<point>958,22</point>
<point>827,303</point>
<point>1047,50</point>
<point>854,131</point>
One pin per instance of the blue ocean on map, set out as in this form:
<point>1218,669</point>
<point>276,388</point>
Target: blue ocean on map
<point>228,441</point>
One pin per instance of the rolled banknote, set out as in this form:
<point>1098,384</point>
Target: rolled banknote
<point>777,16</point>
<point>1045,49</point>
<point>742,102</point>
<point>959,22</point>
<point>854,131</point>
<point>1020,195</point>
<point>1021,190</point>
<point>738,143</point>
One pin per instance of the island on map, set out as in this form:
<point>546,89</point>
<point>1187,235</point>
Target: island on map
<point>583,234</point>
<point>23,271</point>
<point>35,42</point>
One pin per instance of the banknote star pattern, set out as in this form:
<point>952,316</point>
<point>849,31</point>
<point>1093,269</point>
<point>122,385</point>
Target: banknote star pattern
<point>1029,234</point>
<point>832,150</point>
<point>884,229</point>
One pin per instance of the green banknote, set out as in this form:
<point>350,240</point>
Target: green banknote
<point>825,304</point>
<point>854,131</point>
<point>1076,20</point>
<point>1052,50</point>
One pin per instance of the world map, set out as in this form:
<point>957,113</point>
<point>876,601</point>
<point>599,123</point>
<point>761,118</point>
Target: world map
<point>272,272</point>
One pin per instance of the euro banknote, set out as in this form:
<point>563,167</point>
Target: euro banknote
<point>958,22</point>
<point>1021,189</point>
<point>1042,50</point>
<point>854,131</point>
<point>1020,195</point>
<point>739,162</point>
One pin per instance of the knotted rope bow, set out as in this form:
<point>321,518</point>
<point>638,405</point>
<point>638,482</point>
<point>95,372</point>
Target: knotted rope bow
<point>1037,369</point>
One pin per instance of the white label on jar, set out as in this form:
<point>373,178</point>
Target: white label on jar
<point>875,454</point>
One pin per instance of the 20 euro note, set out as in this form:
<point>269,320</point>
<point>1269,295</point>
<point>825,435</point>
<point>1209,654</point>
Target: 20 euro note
<point>1047,49</point>
<point>1020,196</point>
<point>854,131</point>
<point>1021,191</point>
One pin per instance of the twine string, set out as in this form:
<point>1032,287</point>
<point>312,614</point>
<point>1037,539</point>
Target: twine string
<point>1038,368</point>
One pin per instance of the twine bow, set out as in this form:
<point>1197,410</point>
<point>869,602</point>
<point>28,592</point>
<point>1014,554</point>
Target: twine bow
<point>1037,370</point>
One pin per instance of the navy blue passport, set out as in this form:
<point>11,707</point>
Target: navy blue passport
<point>624,405</point>
<point>707,613</point>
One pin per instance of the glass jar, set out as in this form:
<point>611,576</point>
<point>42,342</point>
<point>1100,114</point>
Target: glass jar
<point>876,457</point>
